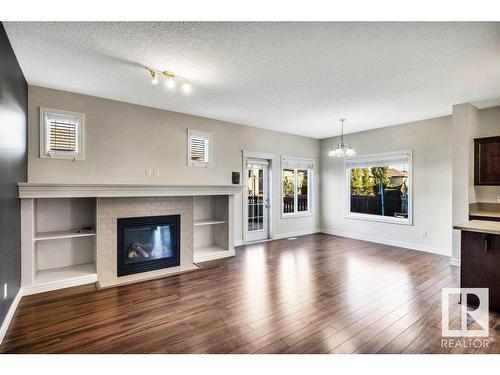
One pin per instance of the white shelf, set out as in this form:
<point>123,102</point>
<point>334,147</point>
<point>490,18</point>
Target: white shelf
<point>72,233</point>
<point>205,253</point>
<point>63,277</point>
<point>199,223</point>
<point>64,273</point>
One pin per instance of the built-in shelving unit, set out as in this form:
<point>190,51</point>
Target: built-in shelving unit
<point>57,253</point>
<point>211,228</point>
<point>62,252</point>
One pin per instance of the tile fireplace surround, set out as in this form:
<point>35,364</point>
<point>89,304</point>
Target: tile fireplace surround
<point>57,253</point>
<point>110,209</point>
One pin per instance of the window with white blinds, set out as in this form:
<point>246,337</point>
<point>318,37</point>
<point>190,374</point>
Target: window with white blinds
<point>61,134</point>
<point>199,148</point>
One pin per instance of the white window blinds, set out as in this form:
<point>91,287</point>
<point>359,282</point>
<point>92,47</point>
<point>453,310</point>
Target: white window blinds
<point>290,163</point>
<point>62,134</point>
<point>199,148</point>
<point>378,160</point>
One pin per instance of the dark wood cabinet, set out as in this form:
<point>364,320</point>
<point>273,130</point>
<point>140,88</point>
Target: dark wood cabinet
<point>480,265</point>
<point>487,161</point>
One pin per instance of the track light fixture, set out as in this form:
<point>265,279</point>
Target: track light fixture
<point>171,79</point>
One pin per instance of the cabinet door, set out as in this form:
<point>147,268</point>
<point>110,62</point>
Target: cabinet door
<point>487,161</point>
<point>480,265</point>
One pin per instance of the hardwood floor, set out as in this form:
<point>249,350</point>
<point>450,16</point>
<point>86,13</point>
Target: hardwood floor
<point>316,294</point>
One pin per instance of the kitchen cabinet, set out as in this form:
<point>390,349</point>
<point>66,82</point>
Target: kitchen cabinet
<point>480,265</point>
<point>487,161</point>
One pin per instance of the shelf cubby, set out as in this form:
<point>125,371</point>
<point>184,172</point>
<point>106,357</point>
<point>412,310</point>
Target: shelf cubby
<point>62,253</point>
<point>211,228</point>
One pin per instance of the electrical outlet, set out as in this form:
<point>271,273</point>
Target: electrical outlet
<point>5,291</point>
<point>149,172</point>
<point>157,172</point>
<point>424,234</point>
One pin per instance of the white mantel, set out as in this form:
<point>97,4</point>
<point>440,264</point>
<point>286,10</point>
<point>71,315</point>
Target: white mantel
<point>42,190</point>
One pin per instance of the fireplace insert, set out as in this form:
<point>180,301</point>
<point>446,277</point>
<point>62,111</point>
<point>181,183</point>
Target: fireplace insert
<point>147,243</point>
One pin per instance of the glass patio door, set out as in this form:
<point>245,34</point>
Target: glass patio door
<point>257,200</point>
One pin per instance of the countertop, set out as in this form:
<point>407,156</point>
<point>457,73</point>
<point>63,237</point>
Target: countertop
<point>481,226</point>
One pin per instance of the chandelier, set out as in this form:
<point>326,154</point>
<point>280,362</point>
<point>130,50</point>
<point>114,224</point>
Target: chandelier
<point>341,151</point>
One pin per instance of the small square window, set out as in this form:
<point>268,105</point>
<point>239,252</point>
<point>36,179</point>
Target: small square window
<point>199,148</point>
<point>61,134</point>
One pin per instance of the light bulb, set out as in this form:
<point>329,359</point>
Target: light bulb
<point>154,78</point>
<point>339,153</point>
<point>331,153</point>
<point>186,87</point>
<point>350,151</point>
<point>170,83</point>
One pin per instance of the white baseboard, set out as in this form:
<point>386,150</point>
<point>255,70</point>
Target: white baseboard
<point>56,285</point>
<point>218,255</point>
<point>279,236</point>
<point>455,262</point>
<point>10,314</point>
<point>406,245</point>
<point>238,243</point>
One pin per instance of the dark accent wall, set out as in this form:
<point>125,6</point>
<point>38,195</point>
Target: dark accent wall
<point>13,159</point>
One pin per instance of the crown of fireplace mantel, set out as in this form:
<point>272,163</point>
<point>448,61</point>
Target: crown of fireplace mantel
<point>45,190</point>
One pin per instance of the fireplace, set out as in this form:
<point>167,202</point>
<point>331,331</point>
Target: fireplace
<point>147,243</point>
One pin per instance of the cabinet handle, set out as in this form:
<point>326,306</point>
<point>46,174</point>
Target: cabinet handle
<point>487,243</point>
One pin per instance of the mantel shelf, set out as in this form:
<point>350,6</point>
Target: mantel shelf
<point>199,223</point>
<point>40,190</point>
<point>72,233</point>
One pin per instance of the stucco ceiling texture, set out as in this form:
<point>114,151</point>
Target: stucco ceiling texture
<point>298,78</point>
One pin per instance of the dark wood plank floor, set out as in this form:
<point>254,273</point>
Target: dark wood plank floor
<point>315,294</point>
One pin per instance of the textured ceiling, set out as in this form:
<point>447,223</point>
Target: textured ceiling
<point>292,77</point>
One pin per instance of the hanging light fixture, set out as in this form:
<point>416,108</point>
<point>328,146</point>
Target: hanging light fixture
<point>341,151</point>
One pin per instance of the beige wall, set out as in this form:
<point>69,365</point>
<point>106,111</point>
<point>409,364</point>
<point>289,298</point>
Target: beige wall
<point>123,140</point>
<point>464,122</point>
<point>430,141</point>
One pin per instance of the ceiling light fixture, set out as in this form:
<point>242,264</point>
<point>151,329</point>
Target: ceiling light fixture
<point>172,79</point>
<point>154,78</point>
<point>341,151</point>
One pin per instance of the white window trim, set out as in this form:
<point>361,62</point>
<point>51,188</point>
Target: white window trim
<point>384,219</point>
<point>310,190</point>
<point>44,153</point>
<point>208,136</point>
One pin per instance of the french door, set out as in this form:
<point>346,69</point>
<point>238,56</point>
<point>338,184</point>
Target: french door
<point>257,195</point>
